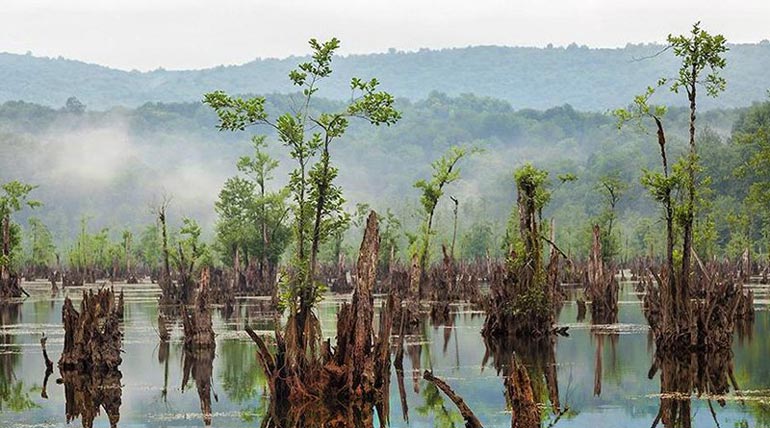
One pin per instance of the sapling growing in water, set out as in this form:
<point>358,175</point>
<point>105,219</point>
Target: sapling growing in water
<point>317,199</point>
<point>676,319</point>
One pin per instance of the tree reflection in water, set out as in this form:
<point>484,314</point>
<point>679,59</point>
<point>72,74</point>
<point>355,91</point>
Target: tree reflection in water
<point>530,378</point>
<point>14,395</point>
<point>199,365</point>
<point>706,375</point>
<point>86,392</point>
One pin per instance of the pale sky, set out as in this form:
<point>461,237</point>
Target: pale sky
<point>184,34</point>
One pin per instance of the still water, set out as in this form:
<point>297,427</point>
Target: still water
<point>602,373</point>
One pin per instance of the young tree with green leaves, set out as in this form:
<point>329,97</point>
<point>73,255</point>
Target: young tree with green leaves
<point>445,172</point>
<point>700,53</point>
<point>14,196</point>
<point>148,249</point>
<point>252,219</point>
<point>309,136</point>
<point>611,187</point>
<point>41,254</point>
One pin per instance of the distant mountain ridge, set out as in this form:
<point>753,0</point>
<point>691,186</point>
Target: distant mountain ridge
<point>538,78</point>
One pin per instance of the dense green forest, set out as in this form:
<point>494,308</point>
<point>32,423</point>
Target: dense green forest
<point>111,167</point>
<point>586,78</point>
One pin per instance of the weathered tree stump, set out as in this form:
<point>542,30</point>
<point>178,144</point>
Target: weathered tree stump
<point>92,337</point>
<point>198,329</point>
<point>356,372</point>
<point>601,287</point>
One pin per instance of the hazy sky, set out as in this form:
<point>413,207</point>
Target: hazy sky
<point>174,34</point>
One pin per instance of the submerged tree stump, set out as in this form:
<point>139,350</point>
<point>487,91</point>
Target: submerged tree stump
<point>10,287</point>
<point>341,385</point>
<point>718,305</point>
<point>521,302</point>
<point>601,285</point>
<point>198,329</point>
<point>92,337</point>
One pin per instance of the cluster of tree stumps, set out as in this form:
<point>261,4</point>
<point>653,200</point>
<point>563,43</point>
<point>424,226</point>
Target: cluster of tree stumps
<point>717,305</point>
<point>522,301</point>
<point>345,382</point>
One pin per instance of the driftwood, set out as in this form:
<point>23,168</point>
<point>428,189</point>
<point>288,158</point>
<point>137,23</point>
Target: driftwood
<point>471,421</point>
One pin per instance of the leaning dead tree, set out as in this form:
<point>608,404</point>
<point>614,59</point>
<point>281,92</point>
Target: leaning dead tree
<point>471,421</point>
<point>601,285</point>
<point>355,370</point>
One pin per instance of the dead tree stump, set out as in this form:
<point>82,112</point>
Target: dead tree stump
<point>198,329</point>
<point>601,286</point>
<point>92,337</point>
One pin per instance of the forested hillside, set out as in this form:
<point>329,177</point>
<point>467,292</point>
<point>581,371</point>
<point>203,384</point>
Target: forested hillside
<point>116,163</point>
<point>587,79</point>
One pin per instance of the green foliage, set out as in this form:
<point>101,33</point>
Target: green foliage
<point>699,52</point>
<point>445,172</point>
<point>149,246</point>
<point>530,177</point>
<point>252,219</point>
<point>477,241</point>
<point>192,253</point>
<point>41,251</point>
<point>308,135</point>
<point>611,187</point>
<point>13,198</point>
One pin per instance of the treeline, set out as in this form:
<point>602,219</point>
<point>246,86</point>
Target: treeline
<point>588,79</point>
<point>113,166</point>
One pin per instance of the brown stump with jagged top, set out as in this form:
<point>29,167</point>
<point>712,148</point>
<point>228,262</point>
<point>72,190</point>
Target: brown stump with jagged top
<point>341,385</point>
<point>198,330</point>
<point>92,336</point>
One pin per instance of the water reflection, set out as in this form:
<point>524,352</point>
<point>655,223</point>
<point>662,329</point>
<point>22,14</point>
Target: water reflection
<point>708,376</point>
<point>14,394</point>
<point>199,365</point>
<point>86,392</point>
<point>563,371</point>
